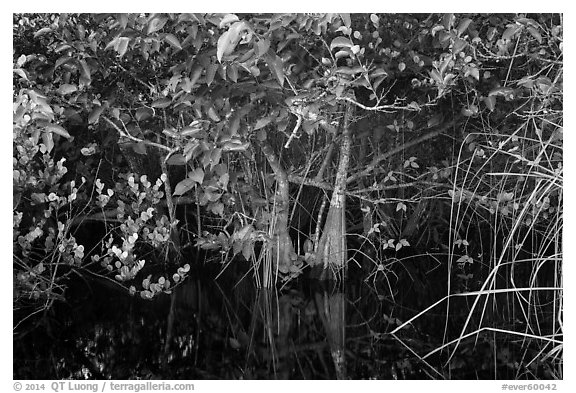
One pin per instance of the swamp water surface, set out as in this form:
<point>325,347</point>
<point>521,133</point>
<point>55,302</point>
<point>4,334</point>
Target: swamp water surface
<point>229,329</point>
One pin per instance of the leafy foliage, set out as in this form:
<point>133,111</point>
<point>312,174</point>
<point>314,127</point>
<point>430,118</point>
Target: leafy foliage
<point>179,130</point>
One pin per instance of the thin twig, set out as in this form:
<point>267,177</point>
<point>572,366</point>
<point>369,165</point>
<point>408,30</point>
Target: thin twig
<point>293,135</point>
<point>378,159</point>
<point>126,134</point>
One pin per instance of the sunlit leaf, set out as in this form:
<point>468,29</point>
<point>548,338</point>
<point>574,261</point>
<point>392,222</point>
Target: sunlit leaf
<point>511,31</point>
<point>490,102</point>
<point>459,45</point>
<point>224,46</point>
<point>95,114</point>
<point>42,31</point>
<point>341,42</point>
<point>262,45</point>
<point>197,175</point>
<point>227,19</point>
<point>346,19</point>
<point>67,88</point>
<point>161,103</point>
<point>172,40</point>
<point>122,45</point>
<point>463,25</point>
<point>143,114</point>
<point>213,115</point>
<point>535,34</point>
<point>262,122</point>
<point>156,24</point>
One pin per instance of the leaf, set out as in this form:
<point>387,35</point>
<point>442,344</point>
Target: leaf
<point>343,53</point>
<point>501,91</point>
<point>511,31</point>
<point>95,114</point>
<point>224,46</point>
<point>122,45</point>
<point>48,141</point>
<point>459,45</point>
<point>400,206</point>
<point>435,75</point>
<point>490,102</point>
<point>276,67</point>
<point>172,40</point>
<point>227,19</point>
<point>210,73</point>
<point>378,72</point>
<point>195,75</point>
<point>229,39</point>
<point>235,146</point>
<point>217,208</point>
<point>232,72</point>
<point>111,45</point>
<point>474,72</point>
<point>341,42</point>
<point>156,24</point>
<point>122,20</point>
<point>161,103</point>
<point>374,18</point>
<point>247,250</point>
<point>62,60</point>
<point>463,25</point>
<point>448,21</point>
<point>262,122</point>
<point>535,34</point>
<point>85,76</point>
<point>56,129</point>
<point>42,31</point>
<point>139,148</point>
<point>176,159</point>
<point>184,186</point>
<point>213,115</point>
<point>244,233</point>
<point>197,175</point>
<point>262,47</point>
<point>215,157</point>
<point>346,19</point>
<point>67,88</point>
<point>349,70</point>
<point>143,114</point>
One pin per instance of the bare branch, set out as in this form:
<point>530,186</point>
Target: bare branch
<point>126,134</point>
<point>378,159</point>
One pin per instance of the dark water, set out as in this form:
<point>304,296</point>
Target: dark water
<point>226,329</point>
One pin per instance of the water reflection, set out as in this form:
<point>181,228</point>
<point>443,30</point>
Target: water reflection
<point>224,329</point>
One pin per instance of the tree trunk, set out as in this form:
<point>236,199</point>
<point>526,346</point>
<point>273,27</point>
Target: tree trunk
<point>282,249</point>
<point>332,250</point>
<point>331,304</point>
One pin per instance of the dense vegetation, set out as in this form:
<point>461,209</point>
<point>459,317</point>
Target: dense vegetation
<point>420,146</point>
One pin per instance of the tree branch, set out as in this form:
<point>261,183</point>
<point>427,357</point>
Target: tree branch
<point>138,140</point>
<point>378,159</point>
